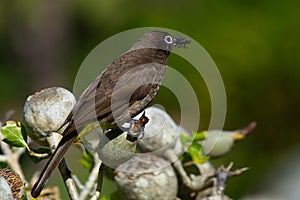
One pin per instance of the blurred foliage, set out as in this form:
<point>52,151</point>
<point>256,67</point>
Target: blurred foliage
<point>194,147</point>
<point>255,44</point>
<point>12,135</point>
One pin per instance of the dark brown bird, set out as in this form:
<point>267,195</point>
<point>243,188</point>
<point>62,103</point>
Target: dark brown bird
<point>119,93</point>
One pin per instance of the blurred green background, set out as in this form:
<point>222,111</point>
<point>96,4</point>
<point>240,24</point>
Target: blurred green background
<point>255,45</point>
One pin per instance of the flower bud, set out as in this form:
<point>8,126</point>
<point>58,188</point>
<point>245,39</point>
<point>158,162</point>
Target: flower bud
<point>15,182</point>
<point>146,176</point>
<point>45,111</point>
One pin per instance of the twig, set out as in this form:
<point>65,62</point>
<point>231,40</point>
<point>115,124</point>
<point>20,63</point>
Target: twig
<point>68,180</point>
<point>38,155</point>
<point>96,196</point>
<point>100,177</point>
<point>222,175</point>
<point>3,159</point>
<point>91,179</point>
<point>12,158</point>
<point>196,183</point>
<point>97,193</point>
<point>77,182</point>
<point>63,169</point>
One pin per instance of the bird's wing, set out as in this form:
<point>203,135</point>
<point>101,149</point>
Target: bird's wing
<point>119,86</point>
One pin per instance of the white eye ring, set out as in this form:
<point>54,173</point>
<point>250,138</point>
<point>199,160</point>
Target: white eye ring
<point>168,39</point>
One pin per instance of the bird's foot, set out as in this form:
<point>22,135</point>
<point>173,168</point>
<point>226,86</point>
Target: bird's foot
<point>137,127</point>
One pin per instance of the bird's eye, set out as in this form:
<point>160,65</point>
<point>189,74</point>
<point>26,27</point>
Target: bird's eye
<point>168,39</point>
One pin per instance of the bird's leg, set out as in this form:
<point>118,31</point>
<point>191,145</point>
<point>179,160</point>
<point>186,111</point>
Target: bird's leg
<point>137,127</point>
<point>133,130</point>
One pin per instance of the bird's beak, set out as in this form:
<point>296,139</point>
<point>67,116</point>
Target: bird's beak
<point>181,42</point>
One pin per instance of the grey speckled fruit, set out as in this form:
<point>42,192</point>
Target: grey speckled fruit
<point>45,111</point>
<point>5,191</point>
<point>146,176</point>
<point>161,133</point>
<point>116,151</point>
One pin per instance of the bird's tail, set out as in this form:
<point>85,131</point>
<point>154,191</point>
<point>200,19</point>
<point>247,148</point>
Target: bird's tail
<point>53,162</point>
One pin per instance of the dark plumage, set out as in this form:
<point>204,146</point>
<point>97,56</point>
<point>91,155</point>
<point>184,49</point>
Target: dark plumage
<point>119,93</point>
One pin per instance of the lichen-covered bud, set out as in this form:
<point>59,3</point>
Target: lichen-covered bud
<point>146,176</point>
<point>116,151</point>
<point>45,111</point>
<point>15,182</point>
<point>215,197</point>
<point>161,132</point>
<point>5,191</point>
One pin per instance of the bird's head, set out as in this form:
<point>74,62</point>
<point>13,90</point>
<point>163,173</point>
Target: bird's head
<point>160,40</point>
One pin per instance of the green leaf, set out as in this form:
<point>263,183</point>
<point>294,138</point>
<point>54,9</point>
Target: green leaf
<point>195,147</point>
<point>87,160</point>
<point>87,146</point>
<point>186,157</point>
<point>195,151</point>
<point>115,196</point>
<point>199,136</point>
<point>12,135</point>
<point>185,139</point>
<point>24,197</point>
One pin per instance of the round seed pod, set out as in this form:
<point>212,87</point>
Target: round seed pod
<point>15,182</point>
<point>45,111</point>
<point>161,132</point>
<point>146,176</point>
<point>5,191</point>
<point>116,151</point>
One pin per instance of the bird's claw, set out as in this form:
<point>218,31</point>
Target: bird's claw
<point>137,127</point>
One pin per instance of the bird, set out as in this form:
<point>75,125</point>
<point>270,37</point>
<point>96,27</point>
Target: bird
<point>120,92</point>
<point>219,142</point>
